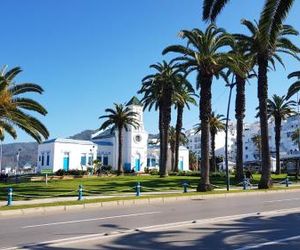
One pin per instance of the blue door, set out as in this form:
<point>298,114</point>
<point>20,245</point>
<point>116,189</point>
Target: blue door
<point>66,161</point>
<point>137,166</point>
<point>180,165</point>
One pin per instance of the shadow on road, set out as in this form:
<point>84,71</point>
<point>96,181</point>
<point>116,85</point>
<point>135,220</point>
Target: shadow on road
<point>226,235</point>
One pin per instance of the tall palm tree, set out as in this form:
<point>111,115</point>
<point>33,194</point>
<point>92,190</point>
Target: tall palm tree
<point>119,119</point>
<point>204,53</point>
<point>279,109</point>
<point>295,136</point>
<point>268,38</point>
<point>256,139</point>
<point>158,90</point>
<point>183,96</point>
<point>13,107</point>
<point>265,47</point>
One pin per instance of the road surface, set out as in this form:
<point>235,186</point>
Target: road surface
<point>265,221</point>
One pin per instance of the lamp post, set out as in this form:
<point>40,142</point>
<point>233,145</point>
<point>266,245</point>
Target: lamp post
<point>231,85</point>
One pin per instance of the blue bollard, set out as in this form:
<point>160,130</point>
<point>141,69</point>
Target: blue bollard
<point>138,189</point>
<point>9,196</point>
<point>245,183</point>
<point>287,182</point>
<point>185,186</point>
<point>80,192</point>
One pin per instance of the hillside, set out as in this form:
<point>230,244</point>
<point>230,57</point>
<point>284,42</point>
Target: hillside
<point>28,153</point>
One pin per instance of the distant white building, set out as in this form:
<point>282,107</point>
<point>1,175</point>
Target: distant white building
<point>77,154</point>
<point>250,151</point>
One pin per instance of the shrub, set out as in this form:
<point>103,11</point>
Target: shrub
<point>60,172</point>
<point>154,171</point>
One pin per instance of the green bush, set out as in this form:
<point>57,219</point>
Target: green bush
<point>154,171</point>
<point>60,172</point>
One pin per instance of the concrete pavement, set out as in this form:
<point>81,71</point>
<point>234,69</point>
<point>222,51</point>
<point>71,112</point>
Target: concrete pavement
<point>59,229</point>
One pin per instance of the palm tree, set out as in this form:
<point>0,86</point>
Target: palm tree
<point>13,107</point>
<point>295,87</point>
<point>268,38</point>
<point>279,109</point>
<point>295,136</point>
<point>204,54</point>
<point>216,124</point>
<point>158,90</point>
<point>119,119</point>
<point>256,139</point>
<point>182,140</point>
<point>183,96</point>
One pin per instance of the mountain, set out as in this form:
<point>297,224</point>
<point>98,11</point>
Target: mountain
<point>28,150</point>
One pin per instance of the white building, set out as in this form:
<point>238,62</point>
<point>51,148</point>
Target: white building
<point>76,154</point>
<point>66,154</point>
<point>250,151</point>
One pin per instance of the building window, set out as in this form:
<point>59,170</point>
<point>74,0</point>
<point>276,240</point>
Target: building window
<point>246,156</point>
<point>246,148</point>
<point>43,159</point>
<point>48,159</point>
<point>83,159</point>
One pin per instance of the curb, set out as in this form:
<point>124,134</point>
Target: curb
<point>149,200</point>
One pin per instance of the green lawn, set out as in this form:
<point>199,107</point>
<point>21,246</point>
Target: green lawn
<point>107,185</point>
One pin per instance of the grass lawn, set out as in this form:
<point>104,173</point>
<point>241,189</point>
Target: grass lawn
<point>108,185</point>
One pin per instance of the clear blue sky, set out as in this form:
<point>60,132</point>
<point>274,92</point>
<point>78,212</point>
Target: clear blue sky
<point>88,54</point>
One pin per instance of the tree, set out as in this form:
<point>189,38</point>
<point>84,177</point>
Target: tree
<point>158,90</point>
<point>119,119</point>
<point>295,87</point>
<point>183,96</point>
<point>295,136</point>
<point>216,123</point>
<point>268,38</point>
<point>204,54</point>
<point>256,139</point>
<point>13,107</point>
<point>279,109</point>
<point>182,140</point>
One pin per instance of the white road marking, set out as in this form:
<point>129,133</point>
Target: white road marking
<point>269,243</point>
<point>290,199</point>
<point>88,220</point>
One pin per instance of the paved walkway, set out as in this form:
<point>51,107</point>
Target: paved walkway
<point>119,195</point>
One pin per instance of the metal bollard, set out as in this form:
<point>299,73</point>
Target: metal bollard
<point>245,183</point>
<point>287,182</point>
<point>138,189</point>
<point>9,196</point>
<point>80,189</point>
<point>185,186</point>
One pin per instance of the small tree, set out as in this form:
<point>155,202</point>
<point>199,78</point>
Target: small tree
<point>118,119</point>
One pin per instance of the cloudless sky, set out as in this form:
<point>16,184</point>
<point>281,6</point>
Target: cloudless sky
<point>88,54</point>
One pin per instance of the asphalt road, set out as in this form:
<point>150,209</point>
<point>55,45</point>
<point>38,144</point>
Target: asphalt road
<point>266,221</point>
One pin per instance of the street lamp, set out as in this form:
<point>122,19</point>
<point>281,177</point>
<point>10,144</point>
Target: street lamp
<point>230,85</point>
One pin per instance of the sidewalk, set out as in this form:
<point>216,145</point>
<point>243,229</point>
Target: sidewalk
<point>118,195</point>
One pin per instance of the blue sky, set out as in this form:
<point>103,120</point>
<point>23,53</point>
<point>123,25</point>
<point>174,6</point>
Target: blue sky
<point>88,54</point>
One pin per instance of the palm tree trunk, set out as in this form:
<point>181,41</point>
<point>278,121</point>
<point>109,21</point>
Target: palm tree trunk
<point>166,119</point>
<point>178,131</point>
<point>277,129</point>
<point>262,92</point>
<point>172,157</point>
<point>160,138</point>
<point>120,143</point>
<point>213,155</point>
<point>205,111</point>
<point>239,115</point>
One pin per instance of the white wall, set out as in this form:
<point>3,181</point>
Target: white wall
<point>57,150</point>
